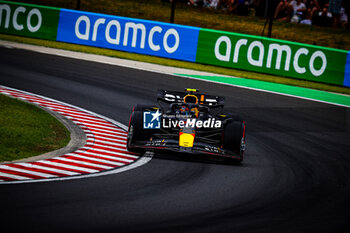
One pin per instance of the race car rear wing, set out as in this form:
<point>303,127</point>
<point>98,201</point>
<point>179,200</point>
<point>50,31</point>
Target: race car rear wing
<point>190,95</point>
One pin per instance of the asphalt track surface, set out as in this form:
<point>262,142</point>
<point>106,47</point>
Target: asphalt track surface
<point>295,176</point>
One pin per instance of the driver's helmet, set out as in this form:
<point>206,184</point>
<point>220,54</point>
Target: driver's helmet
<point>184,110</point>
<point>195,111</point>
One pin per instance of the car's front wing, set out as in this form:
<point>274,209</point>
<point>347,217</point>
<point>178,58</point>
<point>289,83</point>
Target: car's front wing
<point>173,145</point>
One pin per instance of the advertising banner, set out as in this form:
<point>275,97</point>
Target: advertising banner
<point>271,56</point>
<point>219,48</point>
<point>28,20</point>
<point>127,34</point>
<point>347,72</point>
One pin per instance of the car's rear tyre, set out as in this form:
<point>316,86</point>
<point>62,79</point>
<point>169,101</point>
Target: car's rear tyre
<point>234,139</point>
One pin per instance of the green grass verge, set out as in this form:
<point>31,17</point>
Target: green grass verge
<point>175,63</point>
<point>26,130</point>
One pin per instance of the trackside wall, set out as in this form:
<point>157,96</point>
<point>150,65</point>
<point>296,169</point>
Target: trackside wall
<point>127,34</point>
<point>272,56</point>
<point>29,20</point>
<point>226,49</point>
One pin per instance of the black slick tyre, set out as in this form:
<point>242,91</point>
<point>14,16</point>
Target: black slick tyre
<point>135,132</point>
<point>234,140</point>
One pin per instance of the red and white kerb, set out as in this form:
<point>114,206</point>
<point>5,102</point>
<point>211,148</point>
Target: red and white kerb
<point>105,148</point>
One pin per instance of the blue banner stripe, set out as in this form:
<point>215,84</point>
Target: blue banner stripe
<point>129,35</point>
<point>347,71</point>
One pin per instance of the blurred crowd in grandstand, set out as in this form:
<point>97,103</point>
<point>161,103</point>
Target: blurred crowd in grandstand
<point>331,13</point>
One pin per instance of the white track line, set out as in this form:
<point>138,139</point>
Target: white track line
<point>27,171</point>
<point>109,139</point>
<point>105,156</point>
<point>147,67</point>
<point>110,145</point>
<point>95,159</point>
<point>63,165</point>
<point>64,172</point>
<point>17,177</point>
<point>97,141</point>
<point>72,160</point>
<point>113,153</point>
<point>112,135</point>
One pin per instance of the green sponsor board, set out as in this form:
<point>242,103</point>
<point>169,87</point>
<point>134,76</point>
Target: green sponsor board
<point>271,56</point>
<point>28,20</point>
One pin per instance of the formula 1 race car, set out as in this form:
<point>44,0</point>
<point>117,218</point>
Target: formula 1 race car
<point>187,122</point>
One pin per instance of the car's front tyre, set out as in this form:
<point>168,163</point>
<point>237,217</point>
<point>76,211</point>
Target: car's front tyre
<point>234,139</point>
